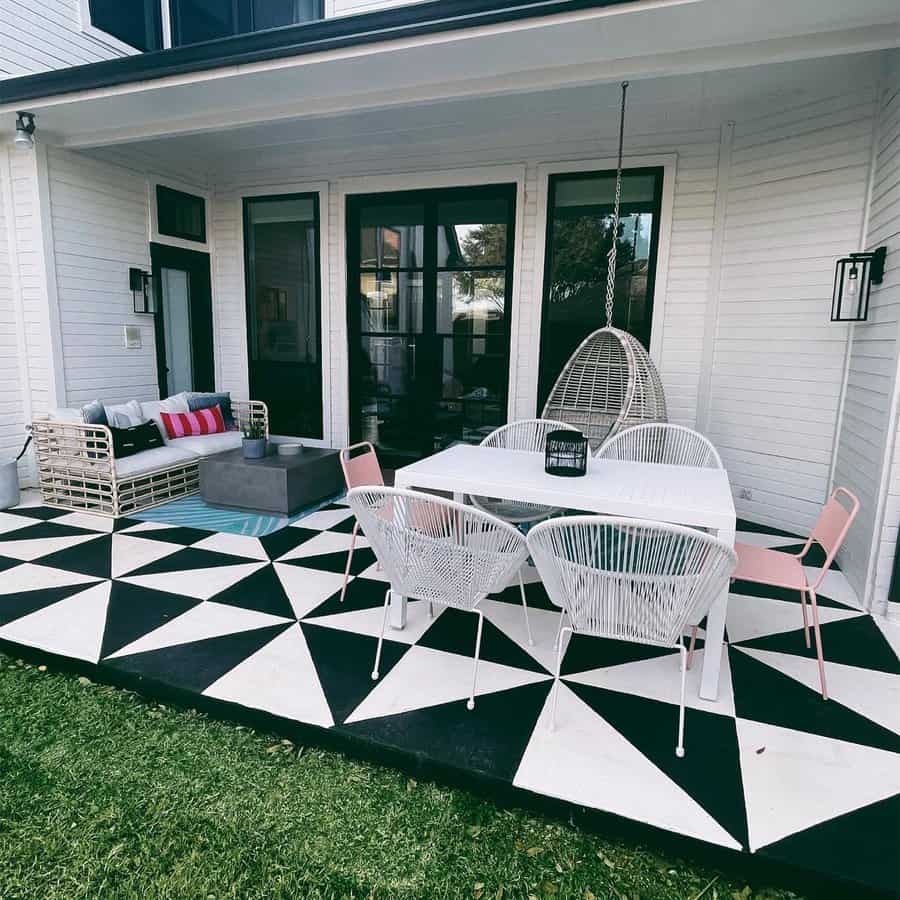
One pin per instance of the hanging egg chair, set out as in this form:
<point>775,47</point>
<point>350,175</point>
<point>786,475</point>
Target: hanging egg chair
<point>609,382</point>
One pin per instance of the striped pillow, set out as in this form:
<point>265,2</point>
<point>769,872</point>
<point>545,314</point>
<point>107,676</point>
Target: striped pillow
<point>190,424</point>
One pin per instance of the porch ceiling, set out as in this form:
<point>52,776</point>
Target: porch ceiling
<point>637,40</point>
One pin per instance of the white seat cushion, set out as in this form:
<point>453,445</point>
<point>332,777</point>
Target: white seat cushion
<point>207,444</point>
<point>149,460</point>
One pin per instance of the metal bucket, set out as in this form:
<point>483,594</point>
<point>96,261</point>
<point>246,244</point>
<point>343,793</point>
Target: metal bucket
<point>9,484</point>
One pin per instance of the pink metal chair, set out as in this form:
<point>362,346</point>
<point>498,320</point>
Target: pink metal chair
<point>361,469</point>
<point>778,569</point>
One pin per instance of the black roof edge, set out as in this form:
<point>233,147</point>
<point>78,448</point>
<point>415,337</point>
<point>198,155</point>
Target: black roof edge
<point>294,40</point>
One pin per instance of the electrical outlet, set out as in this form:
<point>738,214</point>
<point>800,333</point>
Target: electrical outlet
<point>746,494</point>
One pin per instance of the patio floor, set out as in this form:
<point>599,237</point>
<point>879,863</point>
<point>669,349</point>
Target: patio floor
<point>255,623</point>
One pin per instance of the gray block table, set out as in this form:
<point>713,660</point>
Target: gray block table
<point>276,484</point>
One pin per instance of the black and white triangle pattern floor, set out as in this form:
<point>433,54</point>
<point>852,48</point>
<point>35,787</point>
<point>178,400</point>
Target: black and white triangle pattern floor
<point>771,768</point>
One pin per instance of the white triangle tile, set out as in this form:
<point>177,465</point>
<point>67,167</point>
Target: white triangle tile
<point>198,583</point>
<point>794,780</point>
<point>891,632</point>
<point>72,627</point>
<point>33,577</point>
<point>770,541</point>
<point>426,677</point>
<point>660,679</point>
<point>234,544</point>
<point>374,573</point>
<point>30,549</point>
<point>325,542</point>
<point>323,518</point>
<point>834,585</point>
<point>875,695</point>
<point>130,552</point>
<point>368,621</point>
<point>146,526</point>
<point>9,522</point>
<point>87,520</point>
<point>753,617</point>
<point>206,620</point>
<point>279,678</point>
<point>586,761</point>
<point>307,588</point>
<point>509,618</point>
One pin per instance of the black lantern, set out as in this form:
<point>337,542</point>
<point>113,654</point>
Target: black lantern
<point>565,453</point>
<point>853,277</point>
<point>141,285</point>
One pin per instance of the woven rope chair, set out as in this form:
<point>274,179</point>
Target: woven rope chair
<point>629,580</point>
<point>673,445</point>
<point>529,435</point>
<point>440,551</point>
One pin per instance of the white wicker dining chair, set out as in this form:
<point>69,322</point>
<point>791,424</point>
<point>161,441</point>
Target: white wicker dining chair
<point>529,435</point>
<point>629,580</point>
<point>660,442</point>
<point>438,550</point>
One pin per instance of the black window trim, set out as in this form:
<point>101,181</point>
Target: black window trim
<point>181,235</point>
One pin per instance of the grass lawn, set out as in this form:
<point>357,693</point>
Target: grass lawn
<point>105,794</point>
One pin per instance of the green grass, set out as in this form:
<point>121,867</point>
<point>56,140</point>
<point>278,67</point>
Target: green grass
<point>105,794</point>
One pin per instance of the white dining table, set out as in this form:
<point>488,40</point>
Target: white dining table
<point>700,498</point>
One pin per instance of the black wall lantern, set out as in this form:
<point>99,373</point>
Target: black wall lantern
<point>853,277</point>
<point>141,285</point>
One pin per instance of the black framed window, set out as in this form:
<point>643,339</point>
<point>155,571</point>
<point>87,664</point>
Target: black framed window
<point>579,237</point>
<point>284,310</point>
<point>180,215</point>
<point>194,21</point>
<point>138,24</point>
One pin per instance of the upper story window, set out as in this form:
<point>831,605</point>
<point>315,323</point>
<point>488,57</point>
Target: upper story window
<point>138,24</point>
<point>205,20</point>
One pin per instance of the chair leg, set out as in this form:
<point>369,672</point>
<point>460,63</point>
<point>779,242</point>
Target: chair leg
<point>818,633</point>
<point>559,659</point>
<point>349,560</point>
<point>430,610</point>
<point>690,656</point>
<point>471,703</point>
<point>387,603</point>
<point>559,628</point>
<point>805,618</point>
<point>679,747</point>
<point>525,609</point>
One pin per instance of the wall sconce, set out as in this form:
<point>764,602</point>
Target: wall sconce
<point>24,138</point>
<point>141,285</point>
<point>853,277</point>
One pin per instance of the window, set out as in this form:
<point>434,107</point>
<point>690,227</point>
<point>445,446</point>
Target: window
<point>579,237</point>
<point>138,24</point>
<point>205,20</point>
<point>180,215</point>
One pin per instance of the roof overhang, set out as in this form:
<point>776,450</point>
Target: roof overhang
<point>428,52</point>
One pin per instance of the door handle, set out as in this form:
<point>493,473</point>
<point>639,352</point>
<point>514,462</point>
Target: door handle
<point>412,357</point>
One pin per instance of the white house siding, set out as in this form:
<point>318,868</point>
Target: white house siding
<point>38,35</point>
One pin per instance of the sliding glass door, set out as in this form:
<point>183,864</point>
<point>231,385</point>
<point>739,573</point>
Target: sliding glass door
<point>281,245</point>
<point>429,286</point>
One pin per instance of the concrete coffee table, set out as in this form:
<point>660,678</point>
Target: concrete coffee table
<point>275,484</point>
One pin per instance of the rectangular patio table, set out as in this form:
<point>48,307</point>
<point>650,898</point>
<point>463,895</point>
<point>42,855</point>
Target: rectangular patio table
<point>700,498</point>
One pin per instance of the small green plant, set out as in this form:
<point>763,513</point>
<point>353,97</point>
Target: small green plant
<point>253,430</point>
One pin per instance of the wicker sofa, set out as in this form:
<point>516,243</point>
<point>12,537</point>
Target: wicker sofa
<point>77,470</point>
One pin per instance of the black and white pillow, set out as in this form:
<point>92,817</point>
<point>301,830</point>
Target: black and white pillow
<point>135,439</point>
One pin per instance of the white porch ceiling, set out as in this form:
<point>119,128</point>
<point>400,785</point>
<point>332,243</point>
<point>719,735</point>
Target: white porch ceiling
<point>643,40</point>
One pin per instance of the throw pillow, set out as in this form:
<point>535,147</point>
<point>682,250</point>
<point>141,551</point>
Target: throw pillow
<point>93,413</point>
<point>124,415</point>
<point>208,401</point>
<point>192,424</point>
<point>128,441</point>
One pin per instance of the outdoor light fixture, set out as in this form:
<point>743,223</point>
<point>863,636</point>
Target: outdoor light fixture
<point>565,453</point>
<point>24,130</point>
<point>141,285</point>
<point>853,277</point>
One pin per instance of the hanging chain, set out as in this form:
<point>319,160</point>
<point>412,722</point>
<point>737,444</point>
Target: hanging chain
<point>611,257</point>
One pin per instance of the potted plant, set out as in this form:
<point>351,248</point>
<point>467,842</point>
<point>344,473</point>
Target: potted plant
<point>254,443</point>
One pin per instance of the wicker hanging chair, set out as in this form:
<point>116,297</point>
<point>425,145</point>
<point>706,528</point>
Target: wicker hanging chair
<point>609,382</point>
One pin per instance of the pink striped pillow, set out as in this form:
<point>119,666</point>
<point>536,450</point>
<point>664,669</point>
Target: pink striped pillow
<point>189,424</point>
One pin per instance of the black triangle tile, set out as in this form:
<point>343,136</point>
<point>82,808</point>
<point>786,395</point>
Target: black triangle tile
<point>752,589</point>
<point>586,652</point>
<point>363,557</point>
<point>87,558</point>
<point>7,563</point>
<point>177,534</point>
<point>23,603</point>
<point>122,523</point>
<point>190,558</point>
<point>710,771</point>
<point>860,846</point>
<point>344,662</point>
<point>262,591</point>
<point>490,740</point>
<point>345,526</point>
<point>284,540</point>
<point>850,642</point>
<point>535,595</point>
<point>39,512</point>
<point>756,528</point>
<point>454,631</point>
<point>45,530</point>
<point>196,665</point>
<point>134,611</point>
<point>362,593</point>
<point>763,694</point>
